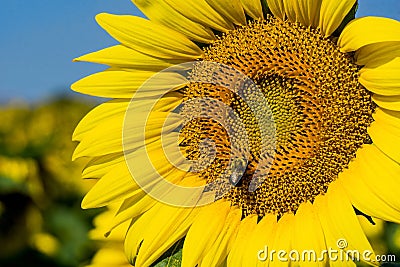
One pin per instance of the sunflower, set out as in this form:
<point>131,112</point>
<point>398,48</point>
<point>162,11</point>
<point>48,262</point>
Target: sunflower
<point>248,127</point>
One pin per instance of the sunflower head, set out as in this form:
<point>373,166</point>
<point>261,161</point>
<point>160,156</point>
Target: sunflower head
<point>244,124</point>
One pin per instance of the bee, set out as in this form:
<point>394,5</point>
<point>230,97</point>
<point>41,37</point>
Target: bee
<point>237,167</point>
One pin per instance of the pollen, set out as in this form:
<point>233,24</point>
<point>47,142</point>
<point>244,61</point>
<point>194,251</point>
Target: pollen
<point>320,110</point>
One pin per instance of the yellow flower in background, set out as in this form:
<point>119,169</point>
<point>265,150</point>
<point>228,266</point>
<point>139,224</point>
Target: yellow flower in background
<point>111,252</point>
<point>40,220</point>
<point>334,103</point>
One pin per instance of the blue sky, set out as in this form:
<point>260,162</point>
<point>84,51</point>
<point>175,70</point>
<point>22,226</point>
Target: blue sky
<point>40,38</point>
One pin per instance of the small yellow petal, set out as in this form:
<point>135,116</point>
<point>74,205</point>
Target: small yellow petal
<point>291,10</point>
<point>383,80</point>
<point>156,164</point>
<point>99,166</point>
<point>308,236</point>
<point>304,11</point>
<point>167,227</point>
<point>387,102</point>
<point>307,12</point>
<point>161,12</point>
<point>116,109</point>
<point>374,55</point>
<point>115,186</point>
<point>241,241</point>
<point>277,8</point>
<point>203,233</point>
<point>283,240</point>
<point>220,249</point>
<point>260,240</point>
<point>136,232</point>
<point>124,57</point>
<point>230,9</point>
<point>100,113</point>
<point>106,137</point>
<point>340,226</point>
<point>332,14</point>
<point>118,183</point>
<point>387,116</point>
<point>368,30</point>
<point>148,37</point>
<point>321,207</point>
<point>365,196</point>
<point>98,141</point>
<point>253,8</point>
<point>381,173</point>
<point>201,12</point>
<point>386,138</point>
<point>131,208</point>
<point>124,84</point>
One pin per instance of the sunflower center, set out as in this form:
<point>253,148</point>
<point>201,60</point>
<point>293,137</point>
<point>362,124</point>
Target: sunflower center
<point>320,110</point>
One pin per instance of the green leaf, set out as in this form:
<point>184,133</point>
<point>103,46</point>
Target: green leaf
<point>172,257</point>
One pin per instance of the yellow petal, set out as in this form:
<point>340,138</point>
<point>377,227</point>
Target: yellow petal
<point>137,230</point>
<point>201,12</point>
<point>308,236</point>
<point>364,196</point>
<point>307,12</point>
<point>98,114</point>
<point>253,8</point>
<point>157,160</point>
<point>99,166</point>
<point>332,14</point>
<point>385,134</point>
<point>291,10</point>
<point>368,30</point>
<point>222,246</point>
<point>203,233</point>
<point>139,204</point>
<point>124,84</point>
<point>148,37</point>
<point>102,224</point>
<point>126,58</point>
<point>118,184</point>
<point>383,80</point>
<point>102,164</point>
<point>106,137</point>
<point>109,257</point>
<point>131,208</point>
<point>167,227</point>
<point>277,8</point>
<point>100,141</point>
<point>115,186</point>
<point>387,102</point>
<point>380,173</point>
<point>304,11</point>
<point>374,55</point>
<point>339,222</point>
<point>161,12</point>
<point>241,241</point>
<point>283,240</point>
<point>260,242</point>
<point>388,117</point>
<point>230,9</point>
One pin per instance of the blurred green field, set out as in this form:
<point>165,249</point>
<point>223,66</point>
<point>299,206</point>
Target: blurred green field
<point>41,222</point>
